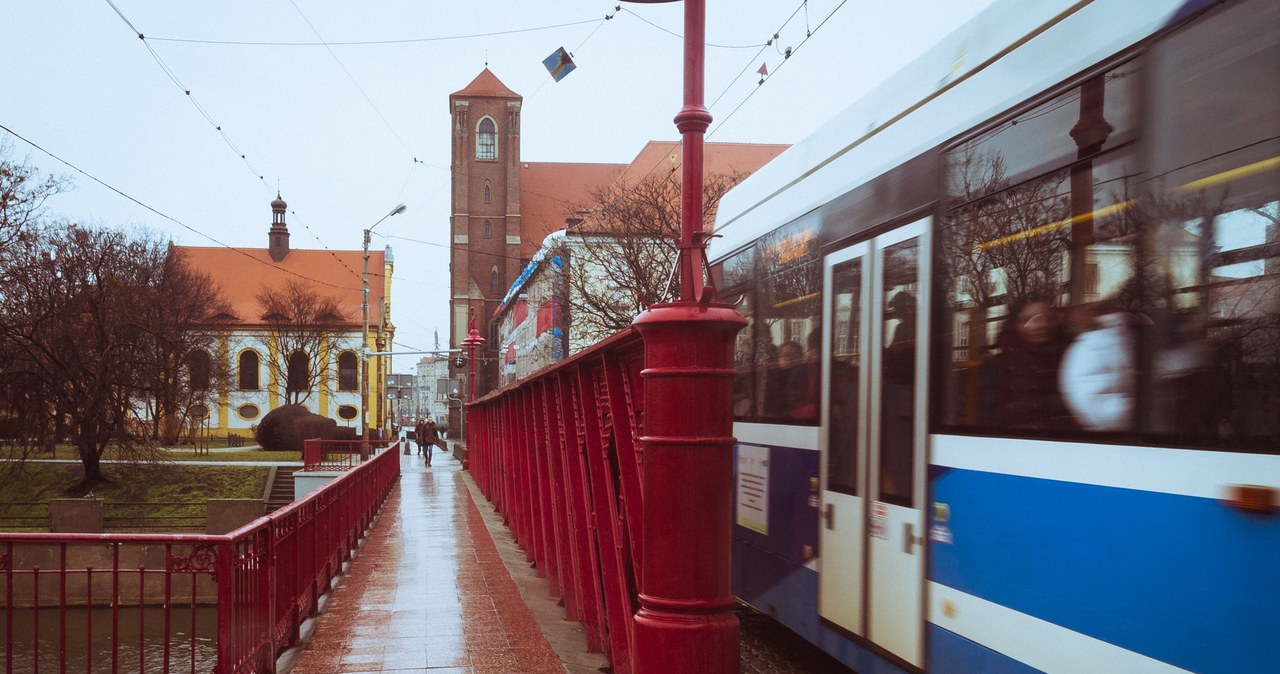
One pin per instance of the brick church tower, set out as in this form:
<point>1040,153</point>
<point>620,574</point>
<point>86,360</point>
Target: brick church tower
<point>485,257</point>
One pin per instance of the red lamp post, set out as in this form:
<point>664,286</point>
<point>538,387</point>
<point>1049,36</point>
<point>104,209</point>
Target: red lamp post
<point>472,344</point>
<point>686,621</point>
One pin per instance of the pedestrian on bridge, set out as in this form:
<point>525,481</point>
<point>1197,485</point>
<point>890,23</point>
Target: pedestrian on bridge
<point>428,437</point>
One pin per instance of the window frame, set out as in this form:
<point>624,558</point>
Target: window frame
<point>487,140</point>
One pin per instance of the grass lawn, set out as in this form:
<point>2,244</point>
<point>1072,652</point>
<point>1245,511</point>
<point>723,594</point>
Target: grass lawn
<point>170,489</point>
<point>179,454</point>
<point>157,482</point>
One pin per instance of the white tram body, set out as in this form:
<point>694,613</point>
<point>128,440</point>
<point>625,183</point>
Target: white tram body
<point>1009,397</point>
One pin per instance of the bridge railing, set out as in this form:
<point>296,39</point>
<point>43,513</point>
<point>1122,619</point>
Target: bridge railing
<point>320,454</point>
<point>557,455</point>
<point>183,602</point>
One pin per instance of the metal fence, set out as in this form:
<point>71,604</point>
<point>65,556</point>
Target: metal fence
<point>320,454</point>
<point>557,455</point>
<point>183,602</point>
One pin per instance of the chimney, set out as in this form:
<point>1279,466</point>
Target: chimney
<point>278,237</point>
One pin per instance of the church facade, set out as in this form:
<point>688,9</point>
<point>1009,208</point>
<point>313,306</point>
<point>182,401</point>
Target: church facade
<point>273,355</point>
<point>503,208</point>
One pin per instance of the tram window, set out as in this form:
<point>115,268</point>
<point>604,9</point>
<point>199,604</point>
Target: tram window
<point>1154,317</point>
<point>788,336</point>
<point>846,344</point>
<point>898,372</point>
<point>1051,134</point>
<point>735,278</point>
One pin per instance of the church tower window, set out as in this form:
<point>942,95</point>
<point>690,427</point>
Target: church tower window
<point>487,139</point>
<point>493,281</point>
<point>488,229</point>
<point>488,193</point>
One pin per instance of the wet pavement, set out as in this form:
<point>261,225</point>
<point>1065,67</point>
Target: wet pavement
<point>440,587</point>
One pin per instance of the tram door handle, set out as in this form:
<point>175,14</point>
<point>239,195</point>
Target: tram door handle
<point>909,538</point>
<point>829,515</point>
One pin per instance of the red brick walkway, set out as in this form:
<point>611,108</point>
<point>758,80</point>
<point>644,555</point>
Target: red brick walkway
<point>428,592</point>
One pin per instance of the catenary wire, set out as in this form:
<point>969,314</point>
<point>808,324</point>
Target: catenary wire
<point>170,218</point>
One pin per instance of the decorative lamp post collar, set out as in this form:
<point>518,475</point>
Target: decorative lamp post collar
<point>473,342</point>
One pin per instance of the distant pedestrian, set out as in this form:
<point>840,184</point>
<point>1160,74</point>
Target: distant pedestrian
<point>419,431</point>
<point>428,438</point>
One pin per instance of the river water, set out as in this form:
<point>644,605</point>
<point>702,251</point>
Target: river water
<point>91,645</point>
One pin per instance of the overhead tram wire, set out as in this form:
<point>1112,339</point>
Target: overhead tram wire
<point>749,63</point>
<point>678,35</point>
<point>173,77</point>
<point>170,218</point>
<point>357,43</point>
<point>548,77</point>
<point>359,88</point>
<point>795,49</point>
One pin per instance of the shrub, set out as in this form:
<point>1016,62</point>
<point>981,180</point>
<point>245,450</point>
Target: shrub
<point>284,428</point>
<point>314,426</point>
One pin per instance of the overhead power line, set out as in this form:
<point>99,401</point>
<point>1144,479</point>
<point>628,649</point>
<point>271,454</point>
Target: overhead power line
<point>166,216</point>
<point>358,43</point>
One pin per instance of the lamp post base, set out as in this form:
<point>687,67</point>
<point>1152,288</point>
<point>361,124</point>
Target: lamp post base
<point>686,621</point>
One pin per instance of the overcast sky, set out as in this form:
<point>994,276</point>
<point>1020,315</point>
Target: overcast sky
<point>346,132</point>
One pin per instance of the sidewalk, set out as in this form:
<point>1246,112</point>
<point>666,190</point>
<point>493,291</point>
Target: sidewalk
<point>439,587</point>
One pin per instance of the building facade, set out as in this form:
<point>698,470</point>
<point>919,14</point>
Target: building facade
<point>274,355</point>
<point>503,208</point>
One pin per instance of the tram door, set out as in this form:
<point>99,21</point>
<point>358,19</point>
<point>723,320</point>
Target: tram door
<point>871,578</point>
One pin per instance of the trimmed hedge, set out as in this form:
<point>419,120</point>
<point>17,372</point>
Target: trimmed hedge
<point>285,428</point>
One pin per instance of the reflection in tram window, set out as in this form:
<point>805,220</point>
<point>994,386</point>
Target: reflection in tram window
<point>776,355</point>
<point>842,430</point>
<point>898,373</point>
<point>1162,278</point>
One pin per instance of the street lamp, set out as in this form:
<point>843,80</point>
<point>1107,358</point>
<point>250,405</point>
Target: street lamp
<point>364,334</point>
<point>685,622</point>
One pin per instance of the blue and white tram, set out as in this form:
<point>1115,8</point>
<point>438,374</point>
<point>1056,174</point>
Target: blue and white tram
<point>1009,397</point>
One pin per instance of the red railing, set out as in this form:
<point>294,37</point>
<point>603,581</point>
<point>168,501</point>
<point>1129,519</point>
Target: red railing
<point>557,455</point>
<point>225,604</point>
<point>320,454</point>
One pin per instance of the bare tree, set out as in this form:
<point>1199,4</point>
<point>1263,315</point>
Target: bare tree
<point>302,322</point>
<point>78,319</point>
<point>22,195</point>
<point>178,360</point>
<point>622,249</point>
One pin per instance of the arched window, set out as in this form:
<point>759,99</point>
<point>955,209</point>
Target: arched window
<point>249,371</point>
<point>488,193</point>
<point>198,366</point>
<point>488,230</point>
<point>493,281</point>
<point>348,371</point>
<point>299,378</point>
<point>487,139</point>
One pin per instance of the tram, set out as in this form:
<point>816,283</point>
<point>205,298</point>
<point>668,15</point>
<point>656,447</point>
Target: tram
<point>1009,396</point>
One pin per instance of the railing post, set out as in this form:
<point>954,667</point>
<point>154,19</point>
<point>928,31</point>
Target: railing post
<point>225,578</point>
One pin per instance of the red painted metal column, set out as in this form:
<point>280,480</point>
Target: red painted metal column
<point>472,344</point>
<point>686,621</point>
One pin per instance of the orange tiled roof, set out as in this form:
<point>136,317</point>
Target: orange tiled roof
<point>717,157</point>
<point>548,190</point>
<point>487,85</point>
<point>242,273</point>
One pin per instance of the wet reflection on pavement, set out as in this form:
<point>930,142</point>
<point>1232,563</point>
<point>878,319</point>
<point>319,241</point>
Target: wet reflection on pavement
<point>428,591</point>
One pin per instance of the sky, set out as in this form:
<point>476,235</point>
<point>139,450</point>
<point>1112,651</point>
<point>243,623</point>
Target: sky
<point>190,132</point>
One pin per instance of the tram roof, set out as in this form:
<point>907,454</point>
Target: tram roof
<point>1006,54</point>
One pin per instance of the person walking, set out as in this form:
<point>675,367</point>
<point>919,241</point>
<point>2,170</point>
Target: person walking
<point>428,438</point>
<point>419,430</point>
